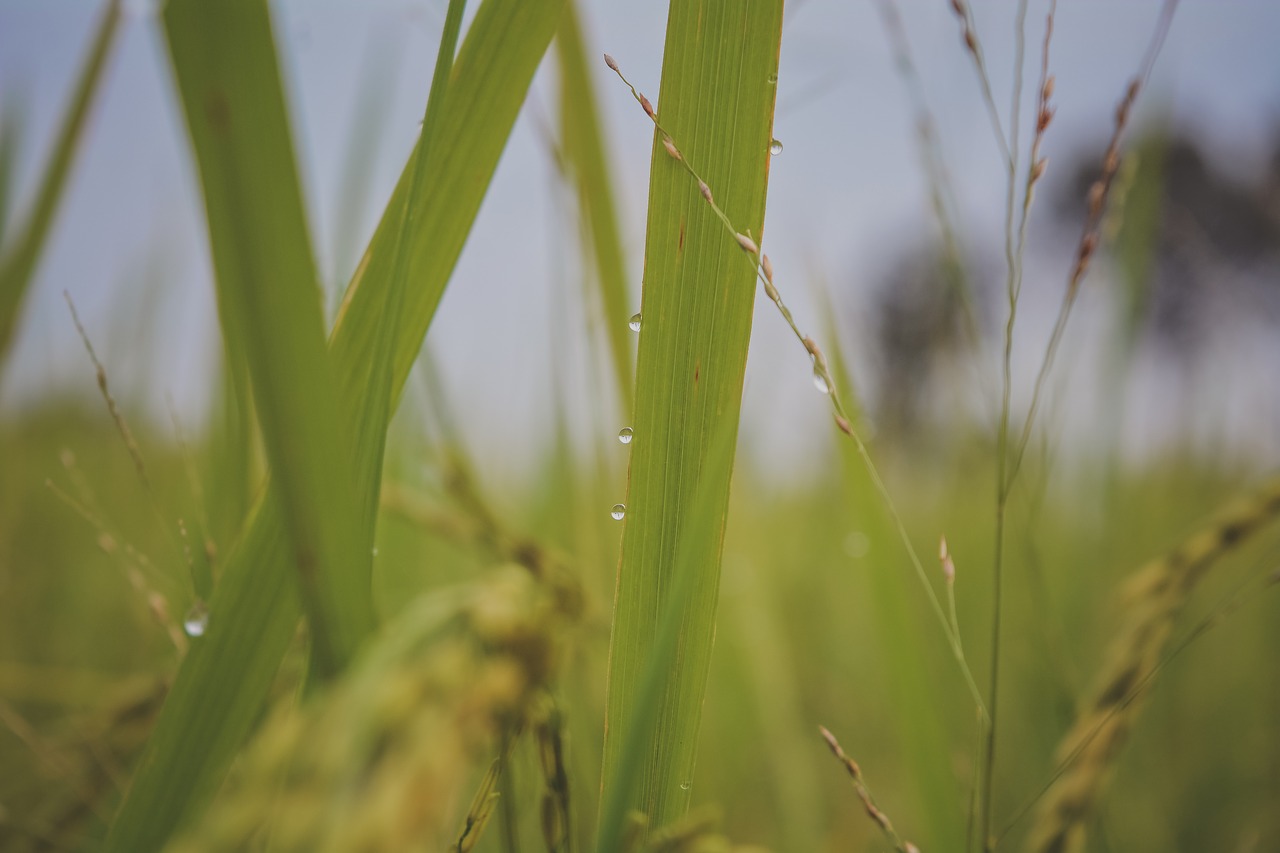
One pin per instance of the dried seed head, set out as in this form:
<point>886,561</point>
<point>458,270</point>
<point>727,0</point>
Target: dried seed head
<point>648,107</point>
<point>844,425</point>
<point>1096,193</point>
<point>958,7</point>
<point>1047,92</point>
<point>1087,245</point>
<point>767,266</point>
<point>1042,120</point>
<point>771,291</point>
<point>748,245</point>
<point>1037,171</point>
<point>832,743</point>
<point>970,41</point>
<point>1112,162</point>
<point>671,148</point>
<point>609,61</point>
<point>948,565</point>
<point>706,191</point>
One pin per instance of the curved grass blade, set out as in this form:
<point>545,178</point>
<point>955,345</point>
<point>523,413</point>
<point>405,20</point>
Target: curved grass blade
<point>717,97</point>
<point>269,303</point>
<point>19,262</point>
<point>220,688</point>
<point>585,153</point>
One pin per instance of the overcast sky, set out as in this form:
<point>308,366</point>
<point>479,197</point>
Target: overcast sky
<point>845,193</point>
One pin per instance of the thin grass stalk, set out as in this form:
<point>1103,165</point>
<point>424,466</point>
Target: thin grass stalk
<point>997,581</point>
<point>22,253</point>
<point>586,156</point>
<point>1097,200</point>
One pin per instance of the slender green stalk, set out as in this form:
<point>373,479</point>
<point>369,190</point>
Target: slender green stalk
<point>18,264</point>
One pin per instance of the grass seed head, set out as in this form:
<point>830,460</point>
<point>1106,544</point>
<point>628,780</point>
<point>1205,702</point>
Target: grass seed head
<point>748,245</point>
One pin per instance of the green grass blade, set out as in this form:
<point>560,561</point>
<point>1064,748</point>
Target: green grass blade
<point>21,255</point>
<point>11,119</point>
<point>717,97</point>
<point>645,732</point>
<point>355,183</point>
<point>585,153</point>
<point>269,302</point>
<point>253,615</point>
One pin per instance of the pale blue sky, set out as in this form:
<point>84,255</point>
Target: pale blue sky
<point>845,189</point>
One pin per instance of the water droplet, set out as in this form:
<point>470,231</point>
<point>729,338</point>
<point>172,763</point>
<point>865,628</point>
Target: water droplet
<point>197,619</point>
<point>686,784</point>
<point>773,79</point>
<point>375,550</point>
<point>625,434</point>
<point>634,322</point>
<point>775,147</point>
<point>820,382</point>
<point>618,511</point>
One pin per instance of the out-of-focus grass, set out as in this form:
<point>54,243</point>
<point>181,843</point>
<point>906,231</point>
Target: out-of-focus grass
<point>76,638</point>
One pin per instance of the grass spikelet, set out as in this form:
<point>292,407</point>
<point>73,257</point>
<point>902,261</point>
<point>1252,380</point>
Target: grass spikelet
<point>1154,598</point>
<point>877,815</point>
<point>376,763</point>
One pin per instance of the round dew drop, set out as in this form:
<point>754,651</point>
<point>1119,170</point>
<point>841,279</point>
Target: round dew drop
<point>618,512</point>
<point>197,619</point>
<point>625,435</point>
<point>775,147</point>
<point>634,323</point>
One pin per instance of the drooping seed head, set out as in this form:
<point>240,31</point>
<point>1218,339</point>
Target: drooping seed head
<point>706,191</point>
<point>648,107</point>
<point>613,65</point>
<point>748,245</point>
<point>671,148</point>
<point>767,266</point>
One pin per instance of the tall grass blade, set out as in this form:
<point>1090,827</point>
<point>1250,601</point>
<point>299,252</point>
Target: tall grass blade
<point>11,119</point>
<point>717,97</point>
<point>584,148</point>
<point>269,301</point>
<point>18,264</point>
<point>253,615</point>
<point>647,726</point>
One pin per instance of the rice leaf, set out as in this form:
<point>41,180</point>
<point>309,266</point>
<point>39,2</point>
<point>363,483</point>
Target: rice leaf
<point>253,615</point>
<point>18,264</point>
<point>717,97</point>
<point>269,302</point>
<point>646,732</point>
<point>586,156</point>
